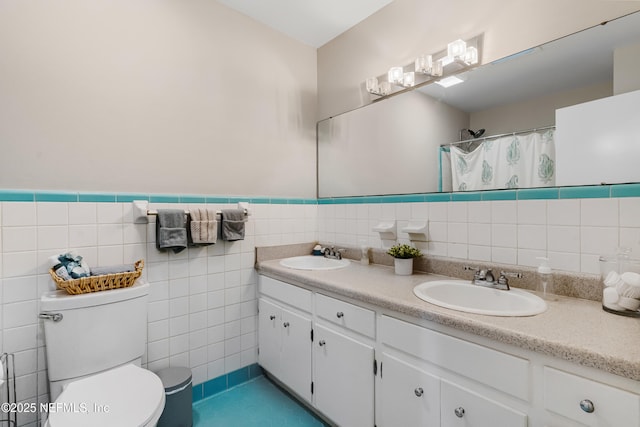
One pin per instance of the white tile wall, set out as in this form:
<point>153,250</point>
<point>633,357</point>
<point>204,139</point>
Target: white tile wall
<point>202,305</point>
<point>571,232</point>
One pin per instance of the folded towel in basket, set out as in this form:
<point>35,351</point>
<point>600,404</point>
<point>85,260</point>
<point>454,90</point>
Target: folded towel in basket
<point>113,269</point>
<point>203,227</point>
<point>232,224</point>
<point>171,231</point>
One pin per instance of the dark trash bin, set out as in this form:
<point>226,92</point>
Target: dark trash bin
<point>177,388</point>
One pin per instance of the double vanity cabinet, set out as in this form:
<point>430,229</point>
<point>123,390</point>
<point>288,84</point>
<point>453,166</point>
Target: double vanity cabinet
<point>362,365</point>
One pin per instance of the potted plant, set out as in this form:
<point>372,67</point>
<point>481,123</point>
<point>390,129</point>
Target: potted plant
<point>403,255</point>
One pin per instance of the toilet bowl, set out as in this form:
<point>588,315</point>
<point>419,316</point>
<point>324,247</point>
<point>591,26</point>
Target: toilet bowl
<point>126,396</point>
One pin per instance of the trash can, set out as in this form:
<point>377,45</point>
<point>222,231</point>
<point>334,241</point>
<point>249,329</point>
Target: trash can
<point>177,389</point>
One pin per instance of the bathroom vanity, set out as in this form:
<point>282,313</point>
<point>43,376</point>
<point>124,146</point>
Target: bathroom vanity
<point>356,345</point>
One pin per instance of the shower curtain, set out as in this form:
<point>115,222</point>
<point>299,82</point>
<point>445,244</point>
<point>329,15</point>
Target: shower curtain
<point>514,161</point>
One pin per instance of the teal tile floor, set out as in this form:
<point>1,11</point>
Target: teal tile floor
<point>255,403</point>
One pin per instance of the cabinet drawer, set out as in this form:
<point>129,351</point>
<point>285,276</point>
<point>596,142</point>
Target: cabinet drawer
<point>564,392</point>
<point>504,372</point>
<point>462,407</point>
<point>286,293</point>
<point>347,315</point>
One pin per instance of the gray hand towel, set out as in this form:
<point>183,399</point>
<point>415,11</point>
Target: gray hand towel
<point>113,269</point>
<point>232,224</point>
<point>171,231</point>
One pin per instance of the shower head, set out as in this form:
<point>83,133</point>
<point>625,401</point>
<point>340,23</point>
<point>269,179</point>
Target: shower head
<point>476,134</point>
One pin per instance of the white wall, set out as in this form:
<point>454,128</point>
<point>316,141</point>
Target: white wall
<point>383,149</point>
<point>163,96</point>
<point>398,33</point>
<point>534,113</point>
<point>626,69</point>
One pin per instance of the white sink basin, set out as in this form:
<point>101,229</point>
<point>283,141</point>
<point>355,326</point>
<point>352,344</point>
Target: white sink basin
<point>310,262</point>
<point>461,295</point>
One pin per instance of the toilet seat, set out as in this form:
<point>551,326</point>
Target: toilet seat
<point>123,396</point>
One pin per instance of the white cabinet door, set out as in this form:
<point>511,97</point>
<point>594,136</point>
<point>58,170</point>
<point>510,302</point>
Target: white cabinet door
<point>463,408</point>
<point>343,378</point>
<point>269,336</point>
<point>295,360</point>
<point>407,396</point>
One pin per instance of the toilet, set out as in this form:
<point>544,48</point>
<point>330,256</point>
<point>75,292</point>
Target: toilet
<point>94,347</point>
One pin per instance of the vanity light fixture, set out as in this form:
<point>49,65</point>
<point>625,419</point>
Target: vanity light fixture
<point>396,75</point>
<point>444,65</point>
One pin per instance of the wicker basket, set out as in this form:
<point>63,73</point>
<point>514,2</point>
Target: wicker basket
<point>98,283</point>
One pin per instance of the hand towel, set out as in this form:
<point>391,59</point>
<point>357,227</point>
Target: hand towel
<point>171,231</point>
<point>232,224</point>
<point>113,269</point>
<point>203,227</point>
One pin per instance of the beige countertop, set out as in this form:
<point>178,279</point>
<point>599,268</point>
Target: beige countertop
<point>572,329</point>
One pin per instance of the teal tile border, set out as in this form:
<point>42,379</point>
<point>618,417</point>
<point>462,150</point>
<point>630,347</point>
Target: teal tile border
<point>499,195</point>
<point>193,199</point>
<point>50,196</point>
<point>437,197</point>
<point>592,192</point>
<point>130,197</point>
<point>538,193</point>
<point>225,382</point>
<point>164,198</point>
<point>625,190</point>
<point>17,196</point>
<point>466,197</point>
<point>551,193</point>
<point>97,197</point>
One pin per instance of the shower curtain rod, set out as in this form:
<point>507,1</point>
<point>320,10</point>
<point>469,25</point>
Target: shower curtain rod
<point>484,138</point>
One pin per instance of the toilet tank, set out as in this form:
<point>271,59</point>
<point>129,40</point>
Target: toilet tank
<point>98,330</point>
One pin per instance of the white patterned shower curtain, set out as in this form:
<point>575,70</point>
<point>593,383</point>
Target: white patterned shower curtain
<point>514,161</point>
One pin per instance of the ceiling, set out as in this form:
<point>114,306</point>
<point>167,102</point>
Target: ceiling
<point>574,61</point>
<point>313,22</point>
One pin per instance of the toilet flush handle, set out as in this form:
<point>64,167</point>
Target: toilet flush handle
<point>56,317</point>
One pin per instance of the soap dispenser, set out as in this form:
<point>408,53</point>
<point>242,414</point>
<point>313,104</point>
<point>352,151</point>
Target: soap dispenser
<point>545,280</point>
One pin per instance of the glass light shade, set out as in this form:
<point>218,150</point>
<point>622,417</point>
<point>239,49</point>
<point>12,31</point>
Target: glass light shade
<point>396,75</point>
<point>372,85</point>
<point>436,71</point>
<point>424,64</point>
<point>457,49</point>
<point>409,79</point>
<point>471,55</point>
<point>384,88</point>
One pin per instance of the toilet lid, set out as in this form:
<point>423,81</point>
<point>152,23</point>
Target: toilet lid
<point>124,396</point>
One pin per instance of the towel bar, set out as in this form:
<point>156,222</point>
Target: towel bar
<point>218,213</point>
<point>141,213</point>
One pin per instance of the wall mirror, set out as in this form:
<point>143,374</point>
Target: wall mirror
<point>393,146</point>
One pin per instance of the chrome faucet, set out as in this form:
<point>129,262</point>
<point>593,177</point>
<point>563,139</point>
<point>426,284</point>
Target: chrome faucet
<point>488,279</point>
<point>333,253</point>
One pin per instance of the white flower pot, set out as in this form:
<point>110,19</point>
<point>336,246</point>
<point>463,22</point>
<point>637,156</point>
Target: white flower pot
<point>404,267</point>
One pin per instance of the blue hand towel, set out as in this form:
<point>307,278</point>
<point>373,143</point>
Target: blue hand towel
<point>232,224</point>
<point>171,230</point>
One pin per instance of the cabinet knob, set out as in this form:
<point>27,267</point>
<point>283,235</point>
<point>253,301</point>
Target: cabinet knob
<point>419,391</point>
<point>587,406</point>
<point>459,412</point>
<point>285,324</point>
<point>339,315</point>
<point>272,317</point>
<point>321,343</point>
